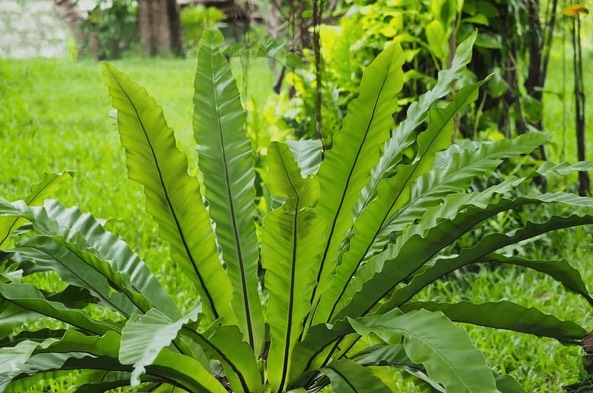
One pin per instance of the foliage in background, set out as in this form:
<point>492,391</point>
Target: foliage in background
<point>513,45</point>
<point>356,263</point>
<point>194,19</point>
<point>114,24</point>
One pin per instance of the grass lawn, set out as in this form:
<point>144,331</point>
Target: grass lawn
<point>55,116</point>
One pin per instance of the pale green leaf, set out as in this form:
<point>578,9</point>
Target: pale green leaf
<point>172,196</point>
<point>432,340</point>
<point>225,159</point>
<point>144,336</point>
<point>392,194</point>
<point>293,240</point>
<point>356,150</point>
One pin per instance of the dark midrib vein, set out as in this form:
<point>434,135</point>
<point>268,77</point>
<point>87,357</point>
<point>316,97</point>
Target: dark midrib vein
<point>18,303</point>
<point>354,389</point>
<point>385,217</point>
<point>243,274</point>
<point>168,199</point>
<point>222,355</point>
<point>343,197</point>
<point>286,354</point>
<point>104,298</point>
<point>344,289</point>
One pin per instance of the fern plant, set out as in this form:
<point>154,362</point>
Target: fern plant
<point>317,297</point>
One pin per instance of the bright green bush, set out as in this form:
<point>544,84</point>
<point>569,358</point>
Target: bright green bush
<point>196,18</point>
<point>317,295</point>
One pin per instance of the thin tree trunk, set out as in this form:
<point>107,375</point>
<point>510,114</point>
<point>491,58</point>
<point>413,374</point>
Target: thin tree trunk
<point>159,27</point>
<point>535,74</point>
<point>69,13</point>
<point>579,95</point>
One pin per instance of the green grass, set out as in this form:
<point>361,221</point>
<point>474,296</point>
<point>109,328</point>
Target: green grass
<point>55,116</point>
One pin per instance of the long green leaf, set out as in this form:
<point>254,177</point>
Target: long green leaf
<point>85,237</point>
<point>405,133</point>
<point>446,184</point>
<point>89,235</point>
<point>459,169</point>
<point>172,196</point>
<point>483,248</point>
<point>356,150</point>
<point>225,159</point>
<point>392,195</point>
<point>102,381</point>
<point>28,297</point>
<point>439,228</point>
<point>39,191</point>
<point>82,269</point>
<point>293,240</point>
<point>349,377</point>
<point>506,315</point>
<point>559,270</point>
<point>12,316</point>
<point>432,340</point>
<point>317,342</point>
<point>76,351</point>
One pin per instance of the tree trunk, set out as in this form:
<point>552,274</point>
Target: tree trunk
<point>69,13</point>
<point>160,28</point>
<point>579,95</point>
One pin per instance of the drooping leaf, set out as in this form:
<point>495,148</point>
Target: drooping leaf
<point>12,316</point>
<point>172,196</point>
<point>559,270</point>
<point>349,377</point>
<point>292,238</point>
<point>89,235</point>
<point>432,340</point>
<point>484,247</point>
<point>101,381</point>
<point>82,269</point>
<point>85,237</point>
<point>28,297</point>
<point>225,159</point>
<point>564,168</point>
<point>356,150</point>
<point>506,315</point>
<point>144,336</point>
<point>454,176</point>
<point>441,227</point>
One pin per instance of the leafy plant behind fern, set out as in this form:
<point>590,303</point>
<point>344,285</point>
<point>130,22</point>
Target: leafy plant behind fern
<point>355,237</point>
